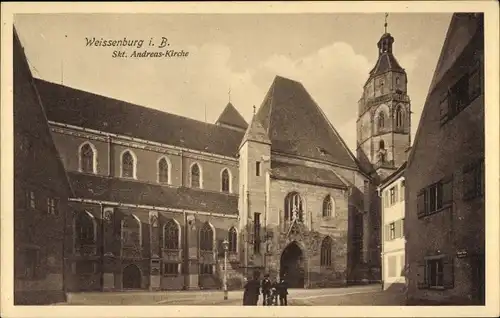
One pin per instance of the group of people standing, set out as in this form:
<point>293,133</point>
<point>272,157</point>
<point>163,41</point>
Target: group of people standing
<point>271,291</point>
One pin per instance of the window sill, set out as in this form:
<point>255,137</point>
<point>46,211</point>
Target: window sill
<point>424,215</point>
<point>436,288</point>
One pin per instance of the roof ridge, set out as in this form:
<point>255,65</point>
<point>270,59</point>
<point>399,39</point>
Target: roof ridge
<point>127,102</point>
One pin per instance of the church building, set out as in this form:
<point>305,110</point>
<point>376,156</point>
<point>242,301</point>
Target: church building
<point>156,194</point>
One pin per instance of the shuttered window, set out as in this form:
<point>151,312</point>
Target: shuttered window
<point>421,204</point>
<point>436,272</point>
<point>387,235</point>
<point>435,197</point>
<point>397,229</point>
<point>447,191</point>
<point>443,110</point>
<point>403,187</point>
<point>402,227</point>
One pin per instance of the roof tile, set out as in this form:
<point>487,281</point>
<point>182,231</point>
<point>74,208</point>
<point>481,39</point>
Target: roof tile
<point>76,107</point>
<point>304,174</point>
<point>297,126</point>
<point>141,193</point>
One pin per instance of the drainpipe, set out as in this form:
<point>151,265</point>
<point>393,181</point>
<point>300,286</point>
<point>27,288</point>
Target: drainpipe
<point>109,156</point>
<point>182,173</point>
<point>102,246</point>
<point>382,238</point>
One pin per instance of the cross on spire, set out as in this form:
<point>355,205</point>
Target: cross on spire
<point>385,24</point>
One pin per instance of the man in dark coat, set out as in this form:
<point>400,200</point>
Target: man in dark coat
<point>283,292</point>
<point>266,290</point>
<point>251,292</point>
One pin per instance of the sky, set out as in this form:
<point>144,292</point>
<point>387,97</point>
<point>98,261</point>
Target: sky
<point>233,56</point>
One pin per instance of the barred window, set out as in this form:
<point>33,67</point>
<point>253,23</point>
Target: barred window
<point>206,238</point>
<point>171,235</point>
<point>326,251</point>
<point>163,170</point>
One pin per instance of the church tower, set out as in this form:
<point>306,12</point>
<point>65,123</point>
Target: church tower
<point>255,164</point>
<point>383,125</point>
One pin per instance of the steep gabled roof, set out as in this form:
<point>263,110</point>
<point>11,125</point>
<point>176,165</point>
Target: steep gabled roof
<point>297,126</point>
<point>30,121</point>
<point>460,33</point>
<point>76,107</point>
<point>132,192</point>
<point>231,117</point>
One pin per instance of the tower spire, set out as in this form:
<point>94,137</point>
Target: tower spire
<point>229,94</point>
<point>385,24</point>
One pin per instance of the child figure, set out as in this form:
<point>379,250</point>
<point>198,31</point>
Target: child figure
<point>274,292</point>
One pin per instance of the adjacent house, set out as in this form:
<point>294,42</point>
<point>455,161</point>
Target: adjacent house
<point>445,214</point>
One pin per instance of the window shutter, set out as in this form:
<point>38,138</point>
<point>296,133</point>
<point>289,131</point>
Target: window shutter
<point>386,199</point>
<point>447,188</point>
<point>402,227</point>
<point>448,272</point>
<point>387,232</point>
<point>396,193</point>
<point>443,110</point>
<point>421,277</point>
<point>397,229</point>
<point>421,204</point>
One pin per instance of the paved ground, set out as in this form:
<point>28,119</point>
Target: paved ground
<point>350,296</point>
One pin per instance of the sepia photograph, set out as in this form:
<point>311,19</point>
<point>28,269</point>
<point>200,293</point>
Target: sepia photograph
<point>248,159</point>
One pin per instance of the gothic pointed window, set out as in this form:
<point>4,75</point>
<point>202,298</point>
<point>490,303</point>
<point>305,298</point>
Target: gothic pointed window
<point>328,206</point>
<point>131,231</point>
<point>84,228</point>
<point>128,165</point>
<point>195,176</point>
<point>171,235</point>
<point>87,159</point>
<point>326,251</point>
<point>225,180</point>
<point>381,119</point>
<point>293,207</point>
<point>233,240</point>
<point>399,117</point>
<point>206,238</point>
<point>163,170</point>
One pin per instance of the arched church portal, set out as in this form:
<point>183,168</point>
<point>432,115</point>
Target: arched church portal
<point>131,277</point>
<point>292,265</point>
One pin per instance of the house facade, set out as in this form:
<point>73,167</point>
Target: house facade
<point>444,216</point>
<point>392,192</point>
<point>41,192</point>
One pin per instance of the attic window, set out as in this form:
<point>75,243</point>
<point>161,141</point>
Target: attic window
<point>322,151</point>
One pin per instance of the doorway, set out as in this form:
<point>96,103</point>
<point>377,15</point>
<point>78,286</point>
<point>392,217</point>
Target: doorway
<point>131,277</point>
<point>292,266</point>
